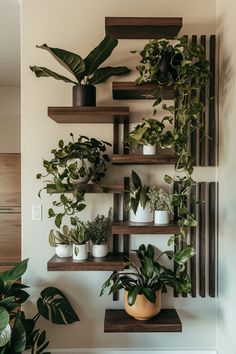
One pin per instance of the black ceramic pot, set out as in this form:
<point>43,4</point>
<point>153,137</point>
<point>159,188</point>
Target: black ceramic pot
<point>84,95</point>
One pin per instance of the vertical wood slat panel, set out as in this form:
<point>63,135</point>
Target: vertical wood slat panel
<point>115,138</point>
<point>126,237</point>
<point>176,217</point>
<point>193,141</point>
<point>202,134</point>
<point>126,134</point>
<point>212,108</point>
<point>212,216</point>
<point>193,232</point>
<point>202,243</point>
<point>115,218</point>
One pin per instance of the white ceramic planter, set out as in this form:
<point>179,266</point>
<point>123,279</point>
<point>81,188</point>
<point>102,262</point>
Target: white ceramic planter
<point>149,149</point>
<point>80,252</point>
<point>64,250</point>
<point>161,217</point>
<point>99,250</point>
<point>142,215</point>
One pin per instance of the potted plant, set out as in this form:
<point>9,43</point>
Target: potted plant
<point>144,282</point>
<point>87,72</point>
<point>79,238</point>
<point>98,230</point>
<point>147,134</point>
<point>18,333</point>
<point>161,203</point>
<point>61,241</point>
<point>137,200</point>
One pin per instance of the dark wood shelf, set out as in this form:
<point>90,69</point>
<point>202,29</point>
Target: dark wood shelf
<point>125,90</point>
<point>119,321</point>
<point>143,27</point>
<point>144,159</point>
<point>128,227</point>
<point>112,261</point>
<point>91,188</point>
<point>89,114</point>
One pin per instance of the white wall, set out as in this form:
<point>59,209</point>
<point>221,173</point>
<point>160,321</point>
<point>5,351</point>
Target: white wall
<point>9,119</point>
<point>226,28</point>
<point>78,26</point>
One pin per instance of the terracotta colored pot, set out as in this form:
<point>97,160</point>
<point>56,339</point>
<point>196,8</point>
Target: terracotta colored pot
<point>143,309</point>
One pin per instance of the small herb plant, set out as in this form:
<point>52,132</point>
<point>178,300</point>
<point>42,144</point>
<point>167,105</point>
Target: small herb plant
<point>78,233</point>
<point>159,199</point>
<point>151,275</point>
<point>137,193</point>
<point>99,228</point>
<point>86,71</point>
<point>148,132</point>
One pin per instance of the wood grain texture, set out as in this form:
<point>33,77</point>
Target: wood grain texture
<point>212,217</point>
<point>127,227</point>
<point>88,115</point>
<point>202,239</point>
<point>143,27</point>
<point>111,262</point>
<point>10,180</point>
<point>133,159</point>
<point>193,137</point>
<point>126,90</point>
<point>118,321</point>
<point>202,139</point>
<point>193,265</point>
<point>10,237</point>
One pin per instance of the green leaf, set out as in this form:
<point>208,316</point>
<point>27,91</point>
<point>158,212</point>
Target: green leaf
<point>58,220</point>
<point>54,306</point>
<point>103,74</point>
<point>149,294</point>
<point>137,183</point>
<point>41,71</point>
<point>132,294</point>
<point>61,144</point>
<point>99,54</point>
<point>51,213</point>
<point>4,318</point>
<point>168,179</point>
<point>10,276</point>
<point>148,266</point>
<point>71,61</point>
<point>5,335</point>
<point>18,336</point>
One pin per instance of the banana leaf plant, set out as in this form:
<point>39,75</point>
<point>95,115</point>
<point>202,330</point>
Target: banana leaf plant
<point>85,71</point>
<point>18,333</point>
<point>151,275</point>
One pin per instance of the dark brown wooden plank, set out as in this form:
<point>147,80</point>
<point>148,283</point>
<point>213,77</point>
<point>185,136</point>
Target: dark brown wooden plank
<point>212,145</point>
<point>10,180</point>
<point>202,239</point>
<point>88,115</point>
<point>193,267</point>
<point>144,159</point>
<point>127,227</point>
<point>111,262</point>
<point>115,218</point>
<point>10,235</point>
<point>91,188</point>
<point>212,237</point>
<point>126,90</point>
<point>119,321</point>
<point>202,140</point>
<point>193,141</point>
<point>143,27</point>
<point>115,138</point>
<point>126,237</point>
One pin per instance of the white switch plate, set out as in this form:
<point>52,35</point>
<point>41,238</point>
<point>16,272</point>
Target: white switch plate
<point>36,212</point>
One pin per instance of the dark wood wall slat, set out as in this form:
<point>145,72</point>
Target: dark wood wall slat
<point>202,140</point>
<point>115,138</point>
<point>193,136</point>
<point>212,105</point>
<point>126,237</point>
<point>212,215</point>
<point>115,218</point>
<point>202,240</point>
<point>193,233</point>
<point>126,134</point>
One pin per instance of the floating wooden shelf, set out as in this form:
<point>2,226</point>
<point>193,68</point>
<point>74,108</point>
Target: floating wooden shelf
<point>119,321</point>
<point>125,90</point>
<point>112,261</point>
<point>89,114</point>
<point>144,159</point>
<point>91,188</point>
<point>127,227</point>
<point>143,27</point>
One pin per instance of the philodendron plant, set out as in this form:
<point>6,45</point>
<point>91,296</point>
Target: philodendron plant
<point>86,71</point>
<point>18,333</point>
<point>137,193</point>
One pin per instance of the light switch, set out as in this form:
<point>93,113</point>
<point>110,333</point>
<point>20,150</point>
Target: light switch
<point>36,212</point>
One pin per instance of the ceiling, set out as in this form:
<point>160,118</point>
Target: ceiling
<point>9,43</point>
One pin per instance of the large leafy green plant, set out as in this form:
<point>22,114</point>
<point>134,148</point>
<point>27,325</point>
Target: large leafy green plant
<point>151,275</point>
<point>137,193</point>
<point>85,71</point>
<point>18,333</point>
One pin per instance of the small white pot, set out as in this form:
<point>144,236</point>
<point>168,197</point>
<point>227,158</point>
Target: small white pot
<point>149,149</point>
<point>64,250</point>
<point>99,250</point>
<point>161,217</point>
<point>80,252</point>
<point>142,215</point>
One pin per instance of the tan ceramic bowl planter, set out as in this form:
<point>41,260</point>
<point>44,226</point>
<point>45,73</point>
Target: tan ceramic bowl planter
<point>143,309</point>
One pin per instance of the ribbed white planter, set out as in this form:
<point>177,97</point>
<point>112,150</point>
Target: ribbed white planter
<point>142,215</point>
<point>80,252</point>
<point>161,217</point>
<point>99,250</point>
<point>149,149</point>
<point>64,250</point>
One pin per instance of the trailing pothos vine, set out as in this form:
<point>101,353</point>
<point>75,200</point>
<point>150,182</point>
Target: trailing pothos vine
<point>183,67</point>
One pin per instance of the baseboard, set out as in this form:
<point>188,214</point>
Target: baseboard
<point>129,351</point>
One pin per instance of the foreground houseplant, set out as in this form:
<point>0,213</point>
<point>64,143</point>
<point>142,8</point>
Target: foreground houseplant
<point>18,333</point>
<point>144,283</point>
<point>87,72</point>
